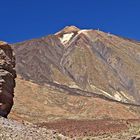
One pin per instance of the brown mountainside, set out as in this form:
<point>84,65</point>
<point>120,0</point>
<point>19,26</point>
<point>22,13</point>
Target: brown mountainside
<point>91,61</point>
<point>36,104</point>
<point>80,83</point>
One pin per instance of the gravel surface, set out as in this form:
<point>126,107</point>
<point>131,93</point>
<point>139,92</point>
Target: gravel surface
<point>13,130</point>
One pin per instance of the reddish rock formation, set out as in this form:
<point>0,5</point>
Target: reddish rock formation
<point>7,76</point>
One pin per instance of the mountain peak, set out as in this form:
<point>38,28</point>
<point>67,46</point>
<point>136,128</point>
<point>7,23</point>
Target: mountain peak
<point>71,28</point>
<point>68,29</point>
<point>3,43</point>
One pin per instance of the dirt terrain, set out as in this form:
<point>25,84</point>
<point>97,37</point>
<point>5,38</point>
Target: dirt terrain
<point>74,116</point>
<point>70,130</point>
<point>35,103</point>
<point>107,129</point>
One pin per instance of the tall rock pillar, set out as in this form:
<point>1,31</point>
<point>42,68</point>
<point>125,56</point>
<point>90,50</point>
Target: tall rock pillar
<point>7,78</point>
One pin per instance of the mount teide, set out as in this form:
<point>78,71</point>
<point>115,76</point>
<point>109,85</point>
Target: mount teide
<point>77,74</point>
<point>89,60</point>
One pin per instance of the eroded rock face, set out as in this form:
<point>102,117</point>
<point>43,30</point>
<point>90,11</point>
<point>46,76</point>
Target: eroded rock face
<point>7,76</point>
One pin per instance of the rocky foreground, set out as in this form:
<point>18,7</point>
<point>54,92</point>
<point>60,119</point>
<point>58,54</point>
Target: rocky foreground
<point>13,130</point>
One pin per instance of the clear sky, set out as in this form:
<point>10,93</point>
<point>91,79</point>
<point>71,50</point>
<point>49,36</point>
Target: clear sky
<point>27,19</point>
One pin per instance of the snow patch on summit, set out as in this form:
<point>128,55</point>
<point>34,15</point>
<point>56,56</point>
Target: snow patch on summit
<point>66,38</point>
<point>83,31</point>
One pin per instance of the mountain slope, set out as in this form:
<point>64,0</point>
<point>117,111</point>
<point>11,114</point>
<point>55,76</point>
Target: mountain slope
<point>36,104</point>
<point>73,115</point>
<point>89,60</point>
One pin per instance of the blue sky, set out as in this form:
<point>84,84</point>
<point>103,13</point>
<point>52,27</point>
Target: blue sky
<point>27,19</point>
